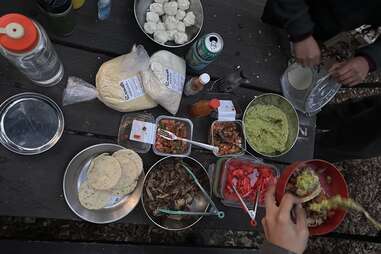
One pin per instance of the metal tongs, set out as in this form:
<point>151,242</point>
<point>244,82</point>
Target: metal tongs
<point>214,211</point>
<point>252,213</point>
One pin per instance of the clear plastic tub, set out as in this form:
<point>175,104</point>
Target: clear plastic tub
<point>189,125</point>
<point>243,141</point>
<point>223,178</point>
<point>125,130</point>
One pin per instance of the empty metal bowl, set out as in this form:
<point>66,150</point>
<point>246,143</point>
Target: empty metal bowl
<point>142,6</point>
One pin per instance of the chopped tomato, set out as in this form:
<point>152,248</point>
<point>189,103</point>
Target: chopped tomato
<point>247,177</point>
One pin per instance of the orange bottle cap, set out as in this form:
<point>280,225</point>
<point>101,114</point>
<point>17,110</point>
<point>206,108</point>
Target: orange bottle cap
<point>19,34</point>
<point>214,103</point>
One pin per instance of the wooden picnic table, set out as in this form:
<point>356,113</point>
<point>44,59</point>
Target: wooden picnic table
<point>32,185</point>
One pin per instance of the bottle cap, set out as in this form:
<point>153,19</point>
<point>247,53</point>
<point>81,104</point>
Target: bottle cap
<point>19,34</point>
<point>214,103</point>
<point>204,78</point>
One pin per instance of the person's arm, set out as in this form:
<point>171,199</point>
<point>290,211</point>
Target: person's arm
<point>355,70</point>
<point>292,15</point>
<point>269,248</point>
<point>283,235</point>
<point>372,53</point>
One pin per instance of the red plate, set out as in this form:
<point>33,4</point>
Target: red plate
<point>338,186</point>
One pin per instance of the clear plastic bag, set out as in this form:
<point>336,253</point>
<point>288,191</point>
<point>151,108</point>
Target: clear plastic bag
<point>77,90</point>
<point>119,83</point>
<point>164,80</point>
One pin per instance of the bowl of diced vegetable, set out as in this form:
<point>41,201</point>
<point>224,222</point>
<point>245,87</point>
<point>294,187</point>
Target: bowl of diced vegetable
<point>170,23</point>
<point>182,128</point>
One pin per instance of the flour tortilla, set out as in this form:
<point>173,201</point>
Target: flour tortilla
<point>92,199</point>
<point>104,173</point>
<point>132,167</point>
<point>300,78</point>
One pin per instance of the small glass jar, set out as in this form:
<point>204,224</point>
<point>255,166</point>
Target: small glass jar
<point>196,84</point>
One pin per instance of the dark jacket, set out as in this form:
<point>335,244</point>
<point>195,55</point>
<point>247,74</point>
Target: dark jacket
<point>268,248</point>
<point>325,18</point>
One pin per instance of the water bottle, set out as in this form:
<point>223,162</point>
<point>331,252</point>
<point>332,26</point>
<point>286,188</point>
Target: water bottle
<point>104,9</point>
<point>25,44</point>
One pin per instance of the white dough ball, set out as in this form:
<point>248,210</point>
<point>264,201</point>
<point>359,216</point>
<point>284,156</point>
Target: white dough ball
<point>170,8</point>
<point>183,4</point>
<point>161,36</point>
<point>171,23</point>
<point>181,38</point>
<point>180,27</point>
<point>160,26</point>
<point>150,27</point>
<point>189,19</point>
<point>171,34</point>
<point>152,17</point>
<point>180,15</point>
<point>157,8</point>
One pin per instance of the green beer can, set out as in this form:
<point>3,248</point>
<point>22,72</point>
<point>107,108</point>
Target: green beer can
<point>204,51</point>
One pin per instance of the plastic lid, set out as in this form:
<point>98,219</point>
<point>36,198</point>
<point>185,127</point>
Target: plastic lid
<point>204,78</point>
<point>19,34</point>
<point>125,131</point>
<point>214,103</point>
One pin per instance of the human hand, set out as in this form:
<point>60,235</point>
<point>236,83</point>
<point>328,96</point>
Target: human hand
<point>307,52</point>
<point>351,72</point>
<point>278,225</point>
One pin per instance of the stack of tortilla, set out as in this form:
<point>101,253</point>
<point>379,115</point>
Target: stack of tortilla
<point>108,176</point>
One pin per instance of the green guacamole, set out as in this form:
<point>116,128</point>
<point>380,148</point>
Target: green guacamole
<point>266,129</point>
<point>306,182</point>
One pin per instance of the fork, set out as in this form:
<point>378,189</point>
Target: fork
<point>171,136</point>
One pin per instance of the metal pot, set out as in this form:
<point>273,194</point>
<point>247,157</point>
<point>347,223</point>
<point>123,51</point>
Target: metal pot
<point>165,222</point>
<point>292,116</point>
<point>140,10</point>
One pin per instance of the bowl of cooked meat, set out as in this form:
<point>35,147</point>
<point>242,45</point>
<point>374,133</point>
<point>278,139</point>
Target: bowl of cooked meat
<point>169,186</point>
<point>306,177</point>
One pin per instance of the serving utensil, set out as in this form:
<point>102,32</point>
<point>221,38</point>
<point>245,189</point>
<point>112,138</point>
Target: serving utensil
<point>252,213</point>
<point>214,210</point>
<point>171,136</point>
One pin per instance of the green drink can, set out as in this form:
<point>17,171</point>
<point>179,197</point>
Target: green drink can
<point>204,51</point>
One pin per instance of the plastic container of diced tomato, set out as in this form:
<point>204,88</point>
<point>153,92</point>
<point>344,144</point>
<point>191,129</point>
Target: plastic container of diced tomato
<point>251,175</point>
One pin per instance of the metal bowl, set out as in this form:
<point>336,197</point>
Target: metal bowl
<point>292,116</point>
<point>76,172</point>
<point>30,123</point>
<point>140,10</point>
<point>165,222</point>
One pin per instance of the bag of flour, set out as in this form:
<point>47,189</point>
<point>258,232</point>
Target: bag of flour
<point>164,80</point>
<point>119,82</point>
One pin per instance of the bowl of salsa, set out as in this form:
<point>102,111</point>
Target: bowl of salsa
<point>182,128</point>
